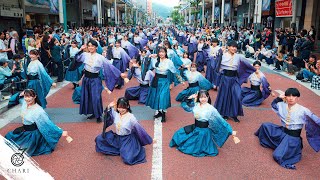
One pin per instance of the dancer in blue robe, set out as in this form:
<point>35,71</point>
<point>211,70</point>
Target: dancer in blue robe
<point>254,96</point>
<point>209,130</point>
<point>196,83</point>
<point>285,139</point>
<point>130,49</point>
<point>38,79</point>
<point>38,135</point>
<point>202,55</point>
<point>129,138</point>
<point>75,75</point>
<point>211,72</point>
<point>159,92</point>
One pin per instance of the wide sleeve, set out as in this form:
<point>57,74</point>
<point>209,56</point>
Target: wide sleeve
<point>132,50</point>
<point>140,133</point>
<point>221,129</point>
<point>111,75</point>
<point>313,129</point>
<point>203,82</point>
<point>245,69</point>
<point>77,61</point>
<point>45,79</point>
<point>274,104</point>
<point>265,87</point>
<point>149,76</point>
<point>108,119</point>
<point>47,128</point>
<point>125,58</point>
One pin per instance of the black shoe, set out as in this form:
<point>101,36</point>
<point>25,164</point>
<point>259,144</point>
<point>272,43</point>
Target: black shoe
<point>75,85</point>
<point>163,117</point>
<point>235,119</point>
<point>60,80</point>
<point>158,115</point>
<point>99,120</point>
<point>118,87</point>
<point>91,117</point>
<point>225,117</point>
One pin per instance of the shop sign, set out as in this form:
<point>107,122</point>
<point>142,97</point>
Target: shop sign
<point>11,12</point>
<point>283,8</point>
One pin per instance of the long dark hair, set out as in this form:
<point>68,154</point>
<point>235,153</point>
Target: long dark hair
<point>32,93</point>
<point>158,59</point>
<point>123,103</point>
<point>204,92</point>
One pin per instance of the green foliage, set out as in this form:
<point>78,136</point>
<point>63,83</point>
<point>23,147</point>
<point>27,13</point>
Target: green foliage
<point>177,18</point>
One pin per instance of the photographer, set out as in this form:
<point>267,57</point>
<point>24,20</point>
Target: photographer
<point>310,69</point>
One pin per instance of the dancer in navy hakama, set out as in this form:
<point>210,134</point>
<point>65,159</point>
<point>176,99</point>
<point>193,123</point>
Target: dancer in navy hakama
<point>209,130</point>
<point>192,46</point>
<point>38,135</point>
<point>254,96</point>
<point>234,70</point>
<point>130,49</point>
<point>212,72</point>
<point>129,138</point>
<point>286,139</point>
<point>144,77</point>
<point>91,101</point>
<point>202,55</point>
<point>120,61</point>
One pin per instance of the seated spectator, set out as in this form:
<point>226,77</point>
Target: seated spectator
<point>310,69</point>
<point>291,69</point>
<point>6,74</point>
<point>279,60</point>
<point>315,83</point>
<point>266,54</point>
<point>249,51</point>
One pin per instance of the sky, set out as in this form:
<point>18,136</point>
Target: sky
<point>170,3</point>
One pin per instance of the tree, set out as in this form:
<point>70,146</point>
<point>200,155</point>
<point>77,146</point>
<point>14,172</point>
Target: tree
<point>177,18</point>
<point>196,10</point>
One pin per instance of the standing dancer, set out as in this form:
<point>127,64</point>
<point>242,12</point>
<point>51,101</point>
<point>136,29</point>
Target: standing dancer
<point>234,71</point>
<point>129,138</point>
<point>91,102</point>
<point>159,92</point>
<point>120,61</point>
<point>73,76</point>
<point>38,78</point>
<point>286,139</point>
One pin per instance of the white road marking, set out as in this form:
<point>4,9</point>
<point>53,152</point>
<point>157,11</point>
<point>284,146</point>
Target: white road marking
<point>156,173</point>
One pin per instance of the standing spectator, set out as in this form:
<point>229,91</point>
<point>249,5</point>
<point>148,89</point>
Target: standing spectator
<point>3,48</point>
<point>291,38</point>
<point>45,52</point>
<point>258,40</point>
<point>13,44</point>
<point>56,51</point>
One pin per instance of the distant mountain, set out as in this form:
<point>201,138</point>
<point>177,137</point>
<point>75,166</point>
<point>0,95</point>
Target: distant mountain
<point>161,10</point>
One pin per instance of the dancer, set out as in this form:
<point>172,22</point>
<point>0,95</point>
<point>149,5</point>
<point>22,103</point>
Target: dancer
<point>38,79</point>
<point>253,96</point>
<point>159,92</point>
<point>76,75</point>
<point>141,71</point>
<point>129,138</point>
<point>120,61</point>
<point>91,102</point>
<point>196,82</point>
<point>38,135</point>
<point>234,70</point>
<point>209,130</point>
<point>286,139</point>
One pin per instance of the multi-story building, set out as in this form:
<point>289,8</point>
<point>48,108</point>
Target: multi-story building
<point>149,7</point>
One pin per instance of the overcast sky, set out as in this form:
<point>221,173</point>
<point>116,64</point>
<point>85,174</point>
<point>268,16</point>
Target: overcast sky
<point>167,2</point>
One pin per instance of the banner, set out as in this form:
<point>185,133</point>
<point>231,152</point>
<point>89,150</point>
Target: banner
<point>266,5</point>
<point>53,5</point>
<point>283,8</point>
<point>226,9</point>
<point>94,10</point>
<point>216,12</point>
